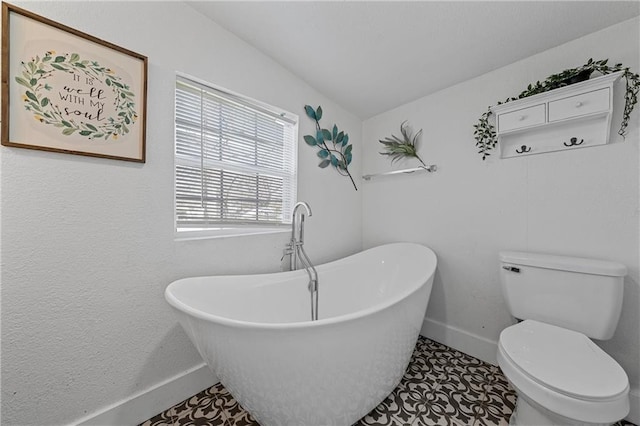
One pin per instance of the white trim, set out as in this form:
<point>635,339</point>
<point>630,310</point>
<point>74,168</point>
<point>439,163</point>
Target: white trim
<point>205,234</point>
<point>469,343</point>
<point>163,396</point>
<point>144,405</point>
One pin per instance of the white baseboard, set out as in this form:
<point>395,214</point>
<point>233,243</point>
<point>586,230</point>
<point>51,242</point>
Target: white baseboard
<point>138,408</point>
<point>486,350</point>
<point>143,406</point>
<point>469,343</point>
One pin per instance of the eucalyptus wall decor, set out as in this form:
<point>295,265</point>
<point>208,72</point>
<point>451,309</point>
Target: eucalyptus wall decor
<point>333,145</point>
<point>397,148</point>
<point>485,133</point>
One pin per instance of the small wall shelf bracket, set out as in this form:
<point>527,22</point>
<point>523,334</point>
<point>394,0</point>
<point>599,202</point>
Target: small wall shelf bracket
<point>430,168</point>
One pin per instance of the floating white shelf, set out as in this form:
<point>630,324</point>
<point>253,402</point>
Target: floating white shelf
<point>430,168</point>
<point>574,116</point>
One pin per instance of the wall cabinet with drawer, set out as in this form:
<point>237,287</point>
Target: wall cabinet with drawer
<point>574,116</point>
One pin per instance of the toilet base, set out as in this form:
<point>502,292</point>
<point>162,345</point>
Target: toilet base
<point>531,414</point>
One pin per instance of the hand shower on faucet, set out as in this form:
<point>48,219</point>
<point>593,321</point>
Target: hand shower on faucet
<point>296,252</point>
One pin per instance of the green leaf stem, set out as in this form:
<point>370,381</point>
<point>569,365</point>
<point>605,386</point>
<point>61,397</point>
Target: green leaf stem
<point>333,145</point>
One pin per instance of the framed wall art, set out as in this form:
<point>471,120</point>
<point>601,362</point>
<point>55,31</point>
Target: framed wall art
<point>67,91</point>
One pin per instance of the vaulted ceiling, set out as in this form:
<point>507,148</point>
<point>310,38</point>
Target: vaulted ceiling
<point>371,56</point>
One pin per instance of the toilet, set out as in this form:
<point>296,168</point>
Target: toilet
<point>560,375</point>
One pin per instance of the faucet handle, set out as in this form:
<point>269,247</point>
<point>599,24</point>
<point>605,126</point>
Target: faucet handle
<point>288,251</point>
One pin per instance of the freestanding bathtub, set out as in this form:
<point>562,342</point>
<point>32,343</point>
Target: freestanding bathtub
<point>255,333</point>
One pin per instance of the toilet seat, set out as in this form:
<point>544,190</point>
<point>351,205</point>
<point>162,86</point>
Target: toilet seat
<point>564,372</point>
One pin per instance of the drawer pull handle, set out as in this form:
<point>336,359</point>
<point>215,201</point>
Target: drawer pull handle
<point>523,149</point>
<point>522,117</point>
<point>578,104</point>
<point>574,142</point>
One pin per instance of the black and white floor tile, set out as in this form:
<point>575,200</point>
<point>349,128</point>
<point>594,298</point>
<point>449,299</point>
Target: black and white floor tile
<point>441,386</point>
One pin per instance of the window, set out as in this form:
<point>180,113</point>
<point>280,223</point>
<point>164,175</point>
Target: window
<point>235,161</point>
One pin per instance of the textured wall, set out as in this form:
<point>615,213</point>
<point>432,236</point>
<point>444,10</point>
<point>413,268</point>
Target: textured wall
<point>88,245</point>
<point>582,202</point>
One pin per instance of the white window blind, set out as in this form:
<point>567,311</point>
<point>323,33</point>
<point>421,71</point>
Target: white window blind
<point>235,160</point>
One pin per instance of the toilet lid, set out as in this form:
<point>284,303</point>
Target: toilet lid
<point>563,360</point>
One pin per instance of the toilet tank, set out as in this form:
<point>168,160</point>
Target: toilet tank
<point>580,294</point>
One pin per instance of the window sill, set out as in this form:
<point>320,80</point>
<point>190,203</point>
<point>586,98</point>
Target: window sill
<point>206,234</point>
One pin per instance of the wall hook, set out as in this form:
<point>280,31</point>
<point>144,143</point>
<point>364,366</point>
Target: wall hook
<point>523,149</point>
<point>574,141</point>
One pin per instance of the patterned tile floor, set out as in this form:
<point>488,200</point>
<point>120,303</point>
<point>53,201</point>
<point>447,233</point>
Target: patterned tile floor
<point>441,386</point>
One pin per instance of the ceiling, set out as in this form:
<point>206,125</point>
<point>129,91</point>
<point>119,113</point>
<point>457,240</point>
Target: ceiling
<point>371,56</point>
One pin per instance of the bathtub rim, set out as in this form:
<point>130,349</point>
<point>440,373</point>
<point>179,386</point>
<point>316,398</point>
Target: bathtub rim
<point>187,309</point>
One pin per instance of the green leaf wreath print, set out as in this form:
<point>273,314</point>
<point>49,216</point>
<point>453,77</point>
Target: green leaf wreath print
<point>77,107</point>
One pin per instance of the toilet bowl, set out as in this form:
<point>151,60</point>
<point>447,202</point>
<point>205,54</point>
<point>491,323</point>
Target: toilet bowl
<point>561,377</point>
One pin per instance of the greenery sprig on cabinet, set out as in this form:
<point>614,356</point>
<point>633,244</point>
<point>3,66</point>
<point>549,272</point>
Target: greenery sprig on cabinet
<point>338,152</point>
<point>485,133</point>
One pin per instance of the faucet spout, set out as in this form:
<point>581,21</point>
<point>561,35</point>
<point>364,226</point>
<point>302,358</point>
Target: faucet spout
<point>302,204</point>
<point>297,224</point>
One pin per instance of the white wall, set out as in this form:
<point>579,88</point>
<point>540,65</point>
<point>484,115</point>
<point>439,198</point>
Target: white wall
<point>87,244</point>
<point>582,202</point>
